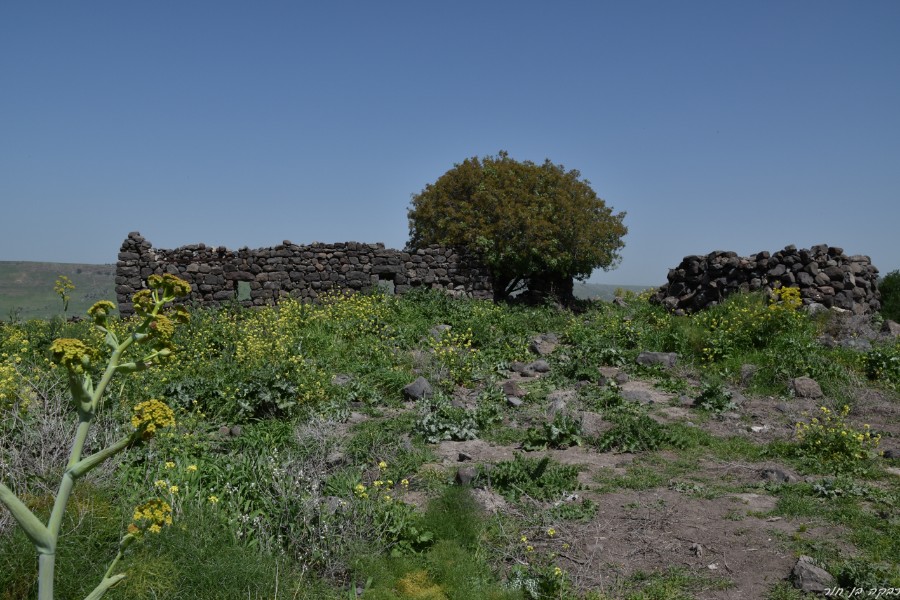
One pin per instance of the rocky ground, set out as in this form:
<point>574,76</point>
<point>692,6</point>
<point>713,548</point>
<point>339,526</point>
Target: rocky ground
<point>713,518</point>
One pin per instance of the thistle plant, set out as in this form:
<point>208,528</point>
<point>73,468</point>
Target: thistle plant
<point>152,336</point>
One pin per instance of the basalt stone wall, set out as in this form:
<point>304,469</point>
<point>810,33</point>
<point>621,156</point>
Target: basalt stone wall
<point>256,277</point>
<point>823,273</point>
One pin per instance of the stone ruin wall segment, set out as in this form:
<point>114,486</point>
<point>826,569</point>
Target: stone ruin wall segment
<point>823,273</point>
<point>257,277</point>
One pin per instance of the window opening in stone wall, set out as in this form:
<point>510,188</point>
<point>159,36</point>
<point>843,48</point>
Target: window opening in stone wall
<point>386,286</point>
<point>243,291</point>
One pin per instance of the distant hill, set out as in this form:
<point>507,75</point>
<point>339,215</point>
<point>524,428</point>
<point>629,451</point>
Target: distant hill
<point>26,288</point>
<point>604,291</point>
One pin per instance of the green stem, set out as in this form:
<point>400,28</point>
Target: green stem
<point>104,586</point>
<point>59,507</point>
<point>46,564</point>
<point>85,465</point>
<point>33,528</point>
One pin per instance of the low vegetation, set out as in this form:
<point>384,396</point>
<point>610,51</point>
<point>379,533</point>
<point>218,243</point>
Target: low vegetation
<point>298,467</point>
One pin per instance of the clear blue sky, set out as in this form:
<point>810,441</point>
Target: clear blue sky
<point>739,126</point>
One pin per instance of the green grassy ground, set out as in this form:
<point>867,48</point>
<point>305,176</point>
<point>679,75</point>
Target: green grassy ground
<point>26,288</point>
<point>297,468</point>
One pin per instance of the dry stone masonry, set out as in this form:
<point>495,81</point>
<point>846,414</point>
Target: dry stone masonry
<point>824,274</point>
<point>261,276</point>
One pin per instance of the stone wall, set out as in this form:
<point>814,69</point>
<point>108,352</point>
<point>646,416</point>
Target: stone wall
<point>261,276</point>
<point>824,274</point>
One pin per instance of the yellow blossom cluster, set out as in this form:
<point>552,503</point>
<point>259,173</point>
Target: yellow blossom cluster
<point>100,310</point>
<point>786,298</point>
<point>455,353</point>
<point>170,285</point>
<point>831,439</point>
<point>9,387</point>
<point>151,516</point>
<point>71,353</point>
<point>356,314</point>
<point>385,487</point>
<point>150,415</point>
<point>163,327</point>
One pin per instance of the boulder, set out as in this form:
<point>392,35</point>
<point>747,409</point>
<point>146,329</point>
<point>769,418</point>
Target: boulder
<point>665,359</point>
<point>809,577</point>
<point>418,389</point>
<point>544,344</point>
<point>806,387</point>
<point>540,366</point>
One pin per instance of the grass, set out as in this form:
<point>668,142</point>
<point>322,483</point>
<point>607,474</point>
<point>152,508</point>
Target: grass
<point>26,288</point>
<point>283,449</point>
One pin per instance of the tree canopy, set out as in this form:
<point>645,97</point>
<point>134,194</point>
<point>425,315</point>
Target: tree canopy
<point>537,225</point>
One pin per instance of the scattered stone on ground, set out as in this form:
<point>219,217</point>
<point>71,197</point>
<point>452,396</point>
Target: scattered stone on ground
<point>418,389</point>
<point>665,359</point>
<point>809,577</point>
<point>540,366</point>
<point>544,344</point>
<point>806,387</point>
<point>612,374</point>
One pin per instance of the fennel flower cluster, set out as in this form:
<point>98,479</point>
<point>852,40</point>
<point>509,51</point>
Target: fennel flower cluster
<point>71,353</point>
<point>151,415</point>
<point>170,285</point>
<point>100,310</point>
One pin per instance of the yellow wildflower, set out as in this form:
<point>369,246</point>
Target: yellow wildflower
<point>150,415</point>
<point>100,310</point>
<point>71,353</point>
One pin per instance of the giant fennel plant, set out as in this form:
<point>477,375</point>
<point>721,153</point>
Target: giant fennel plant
<point>151,338</point>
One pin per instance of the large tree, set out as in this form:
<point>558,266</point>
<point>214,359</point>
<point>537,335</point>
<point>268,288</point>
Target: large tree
<point>533,225</point>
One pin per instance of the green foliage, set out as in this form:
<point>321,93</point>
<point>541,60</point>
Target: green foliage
<point>831,444</point>
<point>742,323</point>
<point>883,364</point>
<point>439,420</point>
<point>539,478</point>
<point>889,288</point>
<point>585,510</point>
<point>862,574</point>
<point>634,430</point>
<point>714,397</point>
<point>526,221</point>
<point>540,581</point>
<point>562,432</point>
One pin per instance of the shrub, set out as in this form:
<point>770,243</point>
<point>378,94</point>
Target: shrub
<point>883,364</point>
<point>889,288</point>
<point>832,444</point>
